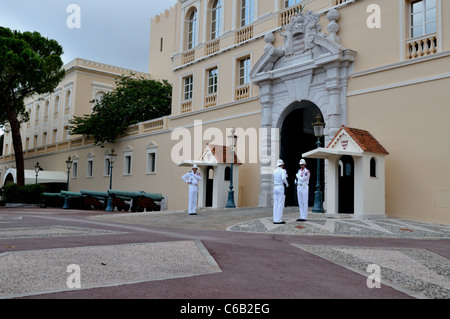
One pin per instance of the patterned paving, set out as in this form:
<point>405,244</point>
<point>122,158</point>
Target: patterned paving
<point>417,272</point>
<point>24,273</point>
<point>318,225</point>
<point>52,231</point>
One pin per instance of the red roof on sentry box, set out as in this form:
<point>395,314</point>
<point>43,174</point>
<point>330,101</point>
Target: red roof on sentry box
<point>364,139</point>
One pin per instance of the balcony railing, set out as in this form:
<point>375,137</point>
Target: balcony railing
<point>244,34</point>
<point>153,126</point>
<point>188,57</point>
<point>212,47</point>
<point>286,15</point>
<point>141,128</point>
<point>186,107</point>
<point>242,92</point>
<point>421,46</point>
<point>210,100</point>
<point>338,2</point>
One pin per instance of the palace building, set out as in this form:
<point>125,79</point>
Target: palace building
<point>377,72</point>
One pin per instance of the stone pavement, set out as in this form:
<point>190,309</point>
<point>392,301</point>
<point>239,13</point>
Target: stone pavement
<point>259,219</point>
<point>220,253</point>
<point>421,273</point>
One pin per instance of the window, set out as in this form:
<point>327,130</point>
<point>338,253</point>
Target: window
<point>243,68</point>
<point>66,133</point>
<point>247,12</point>
<point>227,173</point>
<point>68,102</point>
<point>127,165</point>
<point>244,71</point>
<point>47,103</point>
<point>188,87</point>
<point>151,162</point>
<point>55,136</point>
<point>422,18</point>
<point>212,81</point>
<point>288,3</point>
<point>373,167</point>
<point>37,114</point>
<point>99,95</point>
<point>216,18</point>
<point>90,167</point>
<point>107,166</point>
<point>75,169</point>
<point>127,161</point>
<point>192,30</point>
<point>56,107</point>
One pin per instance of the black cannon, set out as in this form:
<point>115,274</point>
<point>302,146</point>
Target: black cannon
<point>140,200</point>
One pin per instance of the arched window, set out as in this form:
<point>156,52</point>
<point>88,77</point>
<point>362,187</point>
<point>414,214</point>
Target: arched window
<point>47,103</point>
<point>99,95</point>
<point>68,102</point>
<point>56,106</point>
<point>216,19</point>
<point>227,173</point>
<point>37,114</point>
<point>373,167</point>
<point>192,29</point>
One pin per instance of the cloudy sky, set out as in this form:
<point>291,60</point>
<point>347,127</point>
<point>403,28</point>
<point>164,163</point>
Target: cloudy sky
<point>107,31</point>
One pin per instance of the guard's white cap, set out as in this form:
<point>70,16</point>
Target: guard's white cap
<point>194,166</point>
<point>302,161</point>
<point>280,162</point>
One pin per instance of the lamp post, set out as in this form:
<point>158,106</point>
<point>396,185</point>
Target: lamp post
<point>318,132</point>
<point>112,158</point>
<point>233,140</point>
<point>66,198</point>
<point>37,168</point>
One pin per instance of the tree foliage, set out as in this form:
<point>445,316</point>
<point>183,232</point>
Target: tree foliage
<point>29,64</point>
<point>133,101</point>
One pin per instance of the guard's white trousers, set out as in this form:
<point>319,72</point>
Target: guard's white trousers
<point>193,192</point>
<point>302,196</point>
<point>278,203</point>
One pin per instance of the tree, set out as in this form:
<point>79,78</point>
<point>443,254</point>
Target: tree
<point>29,64</point>
<point>132,101</point>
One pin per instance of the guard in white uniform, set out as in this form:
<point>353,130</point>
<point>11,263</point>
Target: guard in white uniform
<point>279,178</point>
<point>302,182</point>
<point>192,178</point>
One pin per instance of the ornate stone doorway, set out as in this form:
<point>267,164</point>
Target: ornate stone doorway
<point>311,67</point>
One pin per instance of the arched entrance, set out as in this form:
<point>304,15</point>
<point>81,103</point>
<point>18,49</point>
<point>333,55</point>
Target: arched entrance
<point>297,137</point>
<point>346,185</point>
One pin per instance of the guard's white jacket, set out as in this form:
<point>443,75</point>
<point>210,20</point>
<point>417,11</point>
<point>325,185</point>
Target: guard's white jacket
<point>192,178</point>
<point>280,177</point>
<point>302,177</point>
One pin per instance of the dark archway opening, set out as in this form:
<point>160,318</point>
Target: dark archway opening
<point>297,137</point>
<point>346,185</point>
<point>209,186</point>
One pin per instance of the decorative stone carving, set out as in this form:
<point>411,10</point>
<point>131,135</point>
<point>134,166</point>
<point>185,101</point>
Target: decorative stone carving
<point>333,27</point>
<point>269,38</point>
<point>297,32</point>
